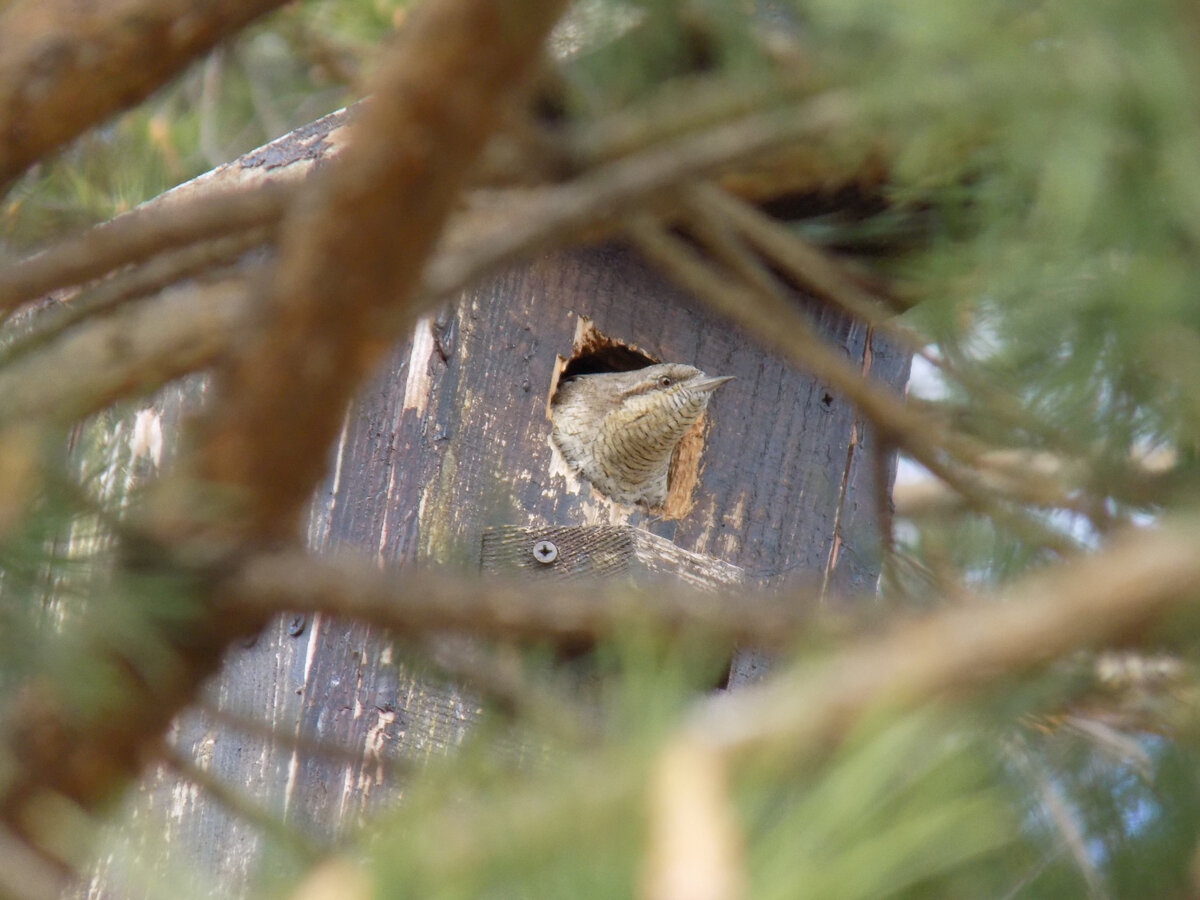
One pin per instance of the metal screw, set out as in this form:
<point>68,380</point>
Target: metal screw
<point>545,552</point>
<point>296,624</point>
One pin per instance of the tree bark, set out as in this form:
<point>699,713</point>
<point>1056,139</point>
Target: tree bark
<point>68,65</point>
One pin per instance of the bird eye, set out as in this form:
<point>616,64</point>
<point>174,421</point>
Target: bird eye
<point>665,381</point>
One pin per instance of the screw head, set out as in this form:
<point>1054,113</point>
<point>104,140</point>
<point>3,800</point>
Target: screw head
<point>296,624</point>
<point>545,552</point>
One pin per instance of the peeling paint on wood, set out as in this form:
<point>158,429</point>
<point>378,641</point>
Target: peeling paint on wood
<point>419,379</point>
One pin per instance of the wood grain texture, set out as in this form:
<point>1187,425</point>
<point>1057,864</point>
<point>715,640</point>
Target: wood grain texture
<point>353,250</point>
<point>600,551</point>
<point>68,65</point>
<point>775,455</point>
<point>853,567</point>
<point>450,440</point>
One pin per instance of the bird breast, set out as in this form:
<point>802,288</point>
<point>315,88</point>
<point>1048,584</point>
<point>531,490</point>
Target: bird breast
<point>624,449</point>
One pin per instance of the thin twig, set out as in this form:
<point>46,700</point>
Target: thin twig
<point>290,740</point>
<point>727,247</point>
<point>202,258</point>
<point>676,111</point>
<point>815,269</point>
<point>210,87</point>
<point>590,204</point>
<point>137,235</point>
<point>432,602</point>
<point>133,351</point>
<point>1055,806</point>
<point>351,256</point>
<point>823,275</point>
<point>241,806</point>
<point>1087,601</point>
<point>883,465</point>
<point>499,673</point>
<point>781,325</point>
<point>270,119</point>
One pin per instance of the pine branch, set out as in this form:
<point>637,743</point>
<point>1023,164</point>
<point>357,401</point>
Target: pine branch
<point>68,67</point>
<point>351,257</point>
<point>426,602</point>
<point>1114,595</point>
<point>131,352</point>
<point>590,205</point>
<point>771,317</point>
<point>206,259</point>
<point>139,235</point>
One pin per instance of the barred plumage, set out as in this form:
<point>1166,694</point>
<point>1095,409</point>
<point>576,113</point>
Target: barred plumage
<point>619,429</point>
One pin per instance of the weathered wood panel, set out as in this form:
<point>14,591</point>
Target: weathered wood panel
<point>452,439</point>
<point>776,450</point>
<point>568,552</point>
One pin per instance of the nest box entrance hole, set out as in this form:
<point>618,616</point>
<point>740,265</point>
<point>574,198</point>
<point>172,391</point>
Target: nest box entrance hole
<point>594,352</point>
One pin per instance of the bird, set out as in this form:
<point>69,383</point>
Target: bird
<point>619,429</point>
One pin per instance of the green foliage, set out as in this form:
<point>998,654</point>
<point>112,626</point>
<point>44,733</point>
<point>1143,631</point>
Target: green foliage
<point>295,66</point>
<point>1075,263</point>
<point>910,808</point>
<point>65,616</point>
<point>1049,147</point>
<point>1041,209</point>
<point>918,807</point>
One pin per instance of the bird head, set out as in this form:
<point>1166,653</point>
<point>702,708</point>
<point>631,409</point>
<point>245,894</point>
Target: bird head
<point>669,379</point>
<point>618,429</point>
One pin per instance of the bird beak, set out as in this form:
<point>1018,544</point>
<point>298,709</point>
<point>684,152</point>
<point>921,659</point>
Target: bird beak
<point>710,384</point>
